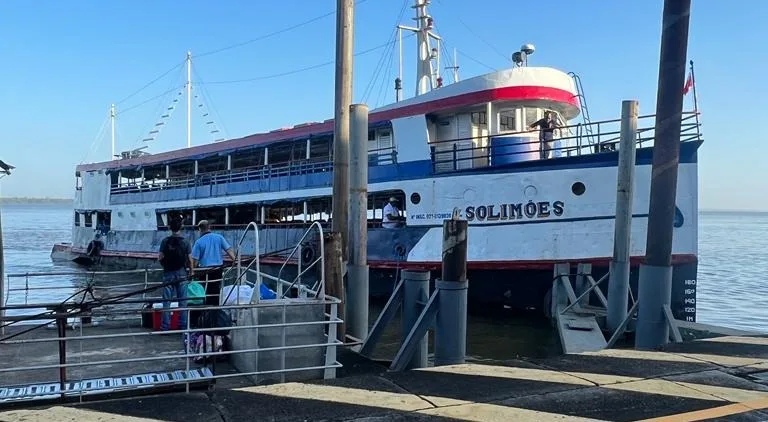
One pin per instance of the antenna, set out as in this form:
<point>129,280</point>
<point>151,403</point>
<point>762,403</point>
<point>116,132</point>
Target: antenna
<point>112,116</point>
<point>455,66</point>
<point>520,58</point>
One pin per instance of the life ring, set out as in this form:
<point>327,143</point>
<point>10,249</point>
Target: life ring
<point>307,254</point>
<point>399,251</point>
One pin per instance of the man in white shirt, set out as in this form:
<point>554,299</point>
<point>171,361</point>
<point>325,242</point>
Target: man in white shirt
<point>391,218</point>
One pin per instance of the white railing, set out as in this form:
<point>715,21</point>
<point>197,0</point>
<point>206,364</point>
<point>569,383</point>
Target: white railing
<point>321,260</point>
<point>101,380</point>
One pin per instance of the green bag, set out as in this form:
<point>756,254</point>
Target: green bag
<point>194,293</point>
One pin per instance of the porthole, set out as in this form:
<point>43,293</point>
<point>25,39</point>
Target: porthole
<point>578,188</point>
<point>415,198</point>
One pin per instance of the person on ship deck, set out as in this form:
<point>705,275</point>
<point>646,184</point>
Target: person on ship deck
<point>547,126</point>
<point>392,218</point>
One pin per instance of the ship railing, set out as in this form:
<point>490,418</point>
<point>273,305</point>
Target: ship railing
<point>376,157</point>
<point>296,167</point>
<point>382,156</point>
<point>296,338</point>
<point>569,141</point>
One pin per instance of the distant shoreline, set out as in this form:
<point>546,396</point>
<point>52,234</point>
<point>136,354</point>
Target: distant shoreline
<point>36,201</point>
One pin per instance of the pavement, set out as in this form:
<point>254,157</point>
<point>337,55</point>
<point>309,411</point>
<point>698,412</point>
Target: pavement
<point>723,379</point>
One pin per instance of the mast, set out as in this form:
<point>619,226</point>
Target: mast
<point>399,80</point>
<point>426,76</point>
<point>112,116</point>
<point>423,59</point>
<point>189,99</point>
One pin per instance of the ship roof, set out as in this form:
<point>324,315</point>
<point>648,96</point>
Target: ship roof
<point>516,84</point>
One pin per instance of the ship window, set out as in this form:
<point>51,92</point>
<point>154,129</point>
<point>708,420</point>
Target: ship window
<point>77,218</point>
<point>214,215</point>
<point>182,169</point>
<point>299,150</point>
<point>212,164</point>
<point>378,200</point>
<point>531,116</point>
<point>88,219</point>
<point>479,118</point>
<point>371,135</point>
<point>244,214</point>
<point>507,121</point>
<point>250,158</point>
<point>104,221</point>
<point>320,148</point>
<point>162,219</point>
<point>133,214</point>
<point>578,188</point>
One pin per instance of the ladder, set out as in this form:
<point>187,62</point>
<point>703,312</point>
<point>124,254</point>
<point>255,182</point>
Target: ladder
<point>587,131</point>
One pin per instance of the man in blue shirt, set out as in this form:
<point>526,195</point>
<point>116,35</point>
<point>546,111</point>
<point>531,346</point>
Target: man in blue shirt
<point>207,255</point>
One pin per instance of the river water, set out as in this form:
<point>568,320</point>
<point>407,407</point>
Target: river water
<point>733,263</point>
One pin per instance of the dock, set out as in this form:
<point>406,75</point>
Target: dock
<point>723,378</point>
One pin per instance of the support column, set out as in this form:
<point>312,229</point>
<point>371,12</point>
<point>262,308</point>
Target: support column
<point>2,274</point>
<point>451,320</point>
<point>416,294</point>
<point>618,284</point>
<point>334,277</point>
<point>357,280</point>
<point>655,283</point>
<point>343,99</point>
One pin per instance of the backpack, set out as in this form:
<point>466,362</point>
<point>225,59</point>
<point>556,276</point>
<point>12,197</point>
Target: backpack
<point>215,318</point>
<point>194,293</point>
<point>174,253</point>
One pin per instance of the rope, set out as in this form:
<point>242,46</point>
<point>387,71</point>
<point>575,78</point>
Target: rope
<point>151,82</point>
<point>393,39</point>
<point>272,34</point>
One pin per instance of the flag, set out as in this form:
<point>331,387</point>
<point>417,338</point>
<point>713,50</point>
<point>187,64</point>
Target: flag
<point>688,84</point>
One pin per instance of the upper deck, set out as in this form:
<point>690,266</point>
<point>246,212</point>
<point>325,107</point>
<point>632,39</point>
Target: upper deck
<point>532,86</point>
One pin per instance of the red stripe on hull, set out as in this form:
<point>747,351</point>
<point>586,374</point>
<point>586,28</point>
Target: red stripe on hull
<point>426,265</point>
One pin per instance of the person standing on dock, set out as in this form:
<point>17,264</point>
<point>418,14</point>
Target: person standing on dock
<point>207,255</point>
<point>547,126</point>
<point>174,258</point>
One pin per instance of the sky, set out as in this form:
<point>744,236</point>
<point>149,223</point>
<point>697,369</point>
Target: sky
<point>64,62</point>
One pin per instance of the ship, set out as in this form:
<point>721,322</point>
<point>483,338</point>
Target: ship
<point>467,145</point>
